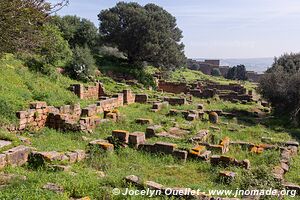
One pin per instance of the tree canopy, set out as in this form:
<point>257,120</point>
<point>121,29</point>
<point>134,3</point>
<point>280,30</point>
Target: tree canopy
<point>281,85</point>
<point>77,31</point>
<point>144,33</point>
<point>237,73</point>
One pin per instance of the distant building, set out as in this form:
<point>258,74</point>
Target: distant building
<point>253,76</point>
<point>207,66</point>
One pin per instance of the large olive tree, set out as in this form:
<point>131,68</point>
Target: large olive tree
<point>144,33</point>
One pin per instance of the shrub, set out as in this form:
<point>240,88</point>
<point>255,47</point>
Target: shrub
<point>82,66</point>
<point>216,72</point>
<point>280,85</point>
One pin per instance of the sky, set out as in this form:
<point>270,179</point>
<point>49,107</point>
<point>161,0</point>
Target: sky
<point>221,28</point>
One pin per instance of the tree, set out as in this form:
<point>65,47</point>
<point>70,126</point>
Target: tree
<point>237,73</point>
<point>216,72</point>
<point>144,33</point>
<point>54,49</point>
<point>21,22</point>
<point>77,31</point>
<point>82,66</point>
<point>280,85</point>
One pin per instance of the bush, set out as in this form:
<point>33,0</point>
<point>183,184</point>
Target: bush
<point>280,85</point>
<point>82,67</point>
<point>54,49</point>
<point>216,72</point>
<point>237,73</point>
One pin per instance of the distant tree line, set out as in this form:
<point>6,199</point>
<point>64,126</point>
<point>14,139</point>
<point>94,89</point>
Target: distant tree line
<point>238,72</point>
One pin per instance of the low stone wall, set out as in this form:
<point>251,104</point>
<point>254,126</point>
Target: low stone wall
<point>88,92</point>
<point>231,87</point>
<point>69,117</point>
<point>173,87</point>
<point>33,118</point>
<point>16,156</point>
<point>175,100</point>
<point>129,97</point>
<point>141,98</point>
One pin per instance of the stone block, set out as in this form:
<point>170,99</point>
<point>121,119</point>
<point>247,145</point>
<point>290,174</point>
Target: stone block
<point>180,154</point>
<point>147,147</point>
<point>72,156</point>
<point>2,161</point>
<point>152,130</point>
<point>102,145</point>
<point>191,117</point>
<point>201,136</point>
<point>205,156</point>
<point>153,185</point>
<point>17,156</point>
<point>4,143</point>
<point>134,180</point>
<point>141,98</point>
<point>143,121</point>
<point>121,135</point>
<point>38,105</point>
<point>200,106</point>
<point>197,150</point>
<point>227,175</point>
<point>137,138</point>
<point>165,147</point>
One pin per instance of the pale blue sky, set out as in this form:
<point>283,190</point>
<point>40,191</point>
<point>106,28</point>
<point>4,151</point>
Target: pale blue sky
<point>221,28</point>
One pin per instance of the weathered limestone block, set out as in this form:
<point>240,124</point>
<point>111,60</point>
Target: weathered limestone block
<point>151,131</point>
<point>143,121</point>
<point>197,150</point>
<point>192,117</point>
<point>38,105</point>
<point>17,156</point>
<point>227,175</point>
<point>201,136</point>
<point>4,143</point>
<point>53,187</point>
<point>244,145</point>
<point>158,106</point>
<point>216,148</point>
<point>102,145</point>
<point>205,156</point>
<point>111,116</point>
<point>165,147</point>
<point>136,138</point>
<point>141,98</point>
<point>72,156</point>
<point>2,161</point>
<point>278,172</point>
<point>213,117</point>
<point>180,154</point>
<point>147,147</point>
<point>200,106</point>
<point>134,180</point>
<point>175,100</point>
<point>121,135</point>
<point>153,185</point>
<point>292,186</point>
<point>81,155</point>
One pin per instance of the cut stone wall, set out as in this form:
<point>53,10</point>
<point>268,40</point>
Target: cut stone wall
<point>173,87</point>
<point>88,92</point>
<point>69,117</point>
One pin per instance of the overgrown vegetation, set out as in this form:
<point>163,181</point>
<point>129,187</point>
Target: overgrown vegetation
<point>280,85</point>
<point>144,33</point>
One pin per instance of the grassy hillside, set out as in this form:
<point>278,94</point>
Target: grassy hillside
<point>19,86</point>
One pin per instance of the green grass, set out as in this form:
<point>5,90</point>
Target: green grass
<point>19,86</point>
